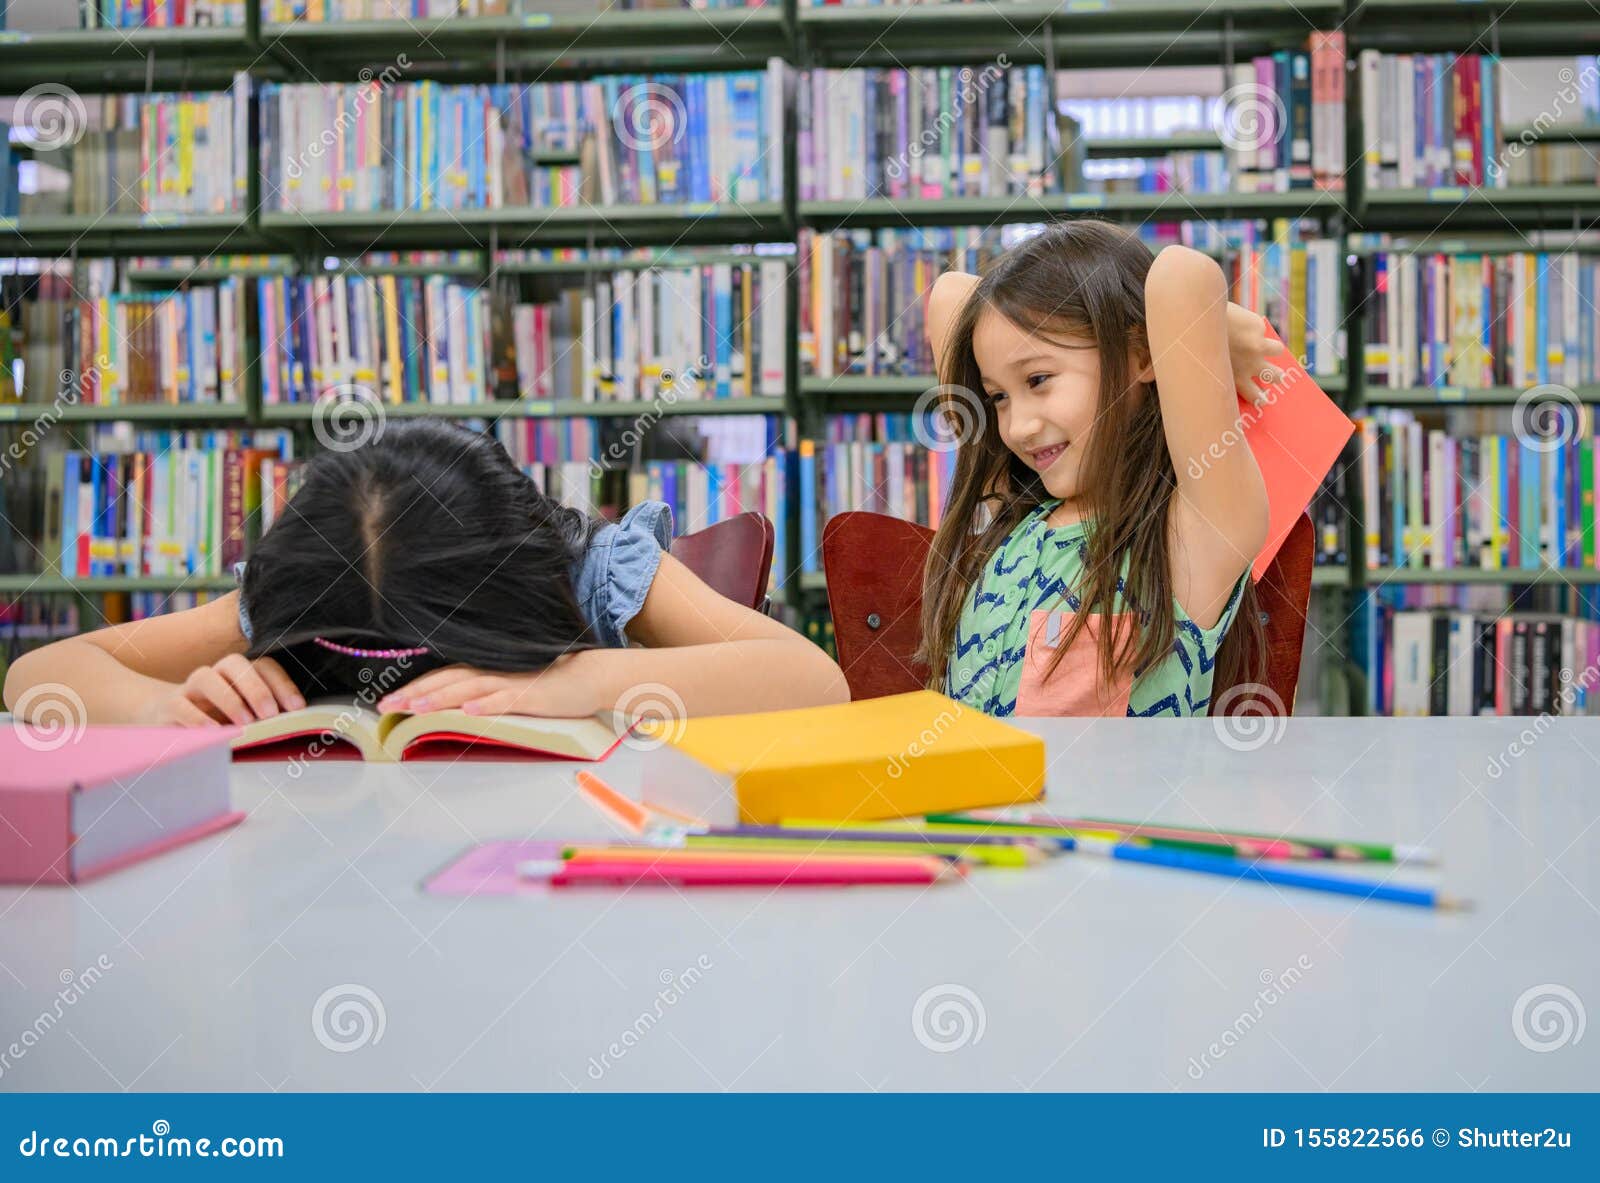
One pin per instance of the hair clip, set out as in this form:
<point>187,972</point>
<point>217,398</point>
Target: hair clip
<point>351,651</point>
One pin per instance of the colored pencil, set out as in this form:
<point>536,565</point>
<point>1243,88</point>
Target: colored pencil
<point>877,832</point>
<point>1375,852</point>
<point>1014,855</point>
<point>1208,864</point>
<point>768,873</point>
<point>684,857</point>
<point>1200,841</point>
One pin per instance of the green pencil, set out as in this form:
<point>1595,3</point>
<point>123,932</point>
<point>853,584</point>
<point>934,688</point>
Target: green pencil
<point>1378,852</point>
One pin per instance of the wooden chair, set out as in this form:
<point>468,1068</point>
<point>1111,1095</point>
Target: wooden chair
<point>734,556</point>
<point>874,566</point>
<point>1283,594</point>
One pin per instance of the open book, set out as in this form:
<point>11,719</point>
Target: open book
<point>344,729</point>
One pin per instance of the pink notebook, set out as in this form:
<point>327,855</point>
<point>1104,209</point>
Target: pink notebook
<point>72,808</point>
<point>491,869</point>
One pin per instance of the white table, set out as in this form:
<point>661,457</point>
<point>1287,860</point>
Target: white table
<point>1089,975</point>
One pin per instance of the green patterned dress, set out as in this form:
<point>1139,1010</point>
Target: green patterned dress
<point>1017,613</point>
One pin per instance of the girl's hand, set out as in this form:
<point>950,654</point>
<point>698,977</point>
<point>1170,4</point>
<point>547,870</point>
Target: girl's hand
<point>233,690</point>
<point>570,688</point>
<point>1249,350</point>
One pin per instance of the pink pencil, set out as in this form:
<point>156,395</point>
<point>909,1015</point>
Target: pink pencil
<point>623,873</point>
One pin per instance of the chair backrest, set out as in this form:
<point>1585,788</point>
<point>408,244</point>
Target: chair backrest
<point>874,566</point>
<point>734,556</point>
<point>1283,594</point>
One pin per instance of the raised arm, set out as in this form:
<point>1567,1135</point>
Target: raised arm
<point>1218,520</point>
<point>949,293</point>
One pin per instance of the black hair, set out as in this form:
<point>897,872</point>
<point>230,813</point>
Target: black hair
<point>426,536</point>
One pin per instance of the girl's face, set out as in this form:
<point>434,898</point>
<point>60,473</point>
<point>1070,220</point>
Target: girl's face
<point>1046,397</point>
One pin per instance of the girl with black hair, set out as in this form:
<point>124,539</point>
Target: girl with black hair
<point>427,552</point>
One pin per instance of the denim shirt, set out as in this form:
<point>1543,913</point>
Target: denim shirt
<point>611,578</point>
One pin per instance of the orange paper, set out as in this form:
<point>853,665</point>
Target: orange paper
<point>1296,437</point>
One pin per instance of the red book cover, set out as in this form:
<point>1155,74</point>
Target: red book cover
<point>1296,437</point>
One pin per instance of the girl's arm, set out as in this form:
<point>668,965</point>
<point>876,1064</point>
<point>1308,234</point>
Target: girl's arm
<point>949,293</point>
<point>714,656</point>
<point>183,667</point>
<point>1218,520</point>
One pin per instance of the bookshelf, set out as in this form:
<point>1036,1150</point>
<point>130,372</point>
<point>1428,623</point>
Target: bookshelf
<point>1063,35</point>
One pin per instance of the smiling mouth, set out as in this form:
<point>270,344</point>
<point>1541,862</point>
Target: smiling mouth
<point>1045,457</point>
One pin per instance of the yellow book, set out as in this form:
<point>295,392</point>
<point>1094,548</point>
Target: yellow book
<point>900,756</point>
<point>391,334</point>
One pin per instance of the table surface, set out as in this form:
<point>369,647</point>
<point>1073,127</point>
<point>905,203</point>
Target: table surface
<point>1078,974</point>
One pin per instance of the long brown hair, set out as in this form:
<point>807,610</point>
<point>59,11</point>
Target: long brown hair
<point>1083,281</point>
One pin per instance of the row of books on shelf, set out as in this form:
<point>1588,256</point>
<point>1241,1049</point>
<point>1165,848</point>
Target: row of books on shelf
<point>1476,320</point>
<point>160,503</point>
<point>153,14</point>
<point>129,154</point>
<point>714,331</point>
<point>1282,118</point>
<point>337,11</point>
<point>1487,489</point>
<point>630,139</point>
<point>1457,651</point>
<point>80,340</point>
<point>1434,120</point>
<point>928,132</point>
<point>923,132</point>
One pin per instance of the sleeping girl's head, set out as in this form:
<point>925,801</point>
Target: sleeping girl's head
<point>426,547</point>
<point>1050,355</point>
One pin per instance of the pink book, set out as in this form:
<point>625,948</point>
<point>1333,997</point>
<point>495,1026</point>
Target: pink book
<point>77,804</point>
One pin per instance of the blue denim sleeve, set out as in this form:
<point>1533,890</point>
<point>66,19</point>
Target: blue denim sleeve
<point>615,574</point>
<point>244,617</point>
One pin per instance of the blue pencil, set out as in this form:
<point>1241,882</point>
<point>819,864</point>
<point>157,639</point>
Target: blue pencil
<point>1237,868</point>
